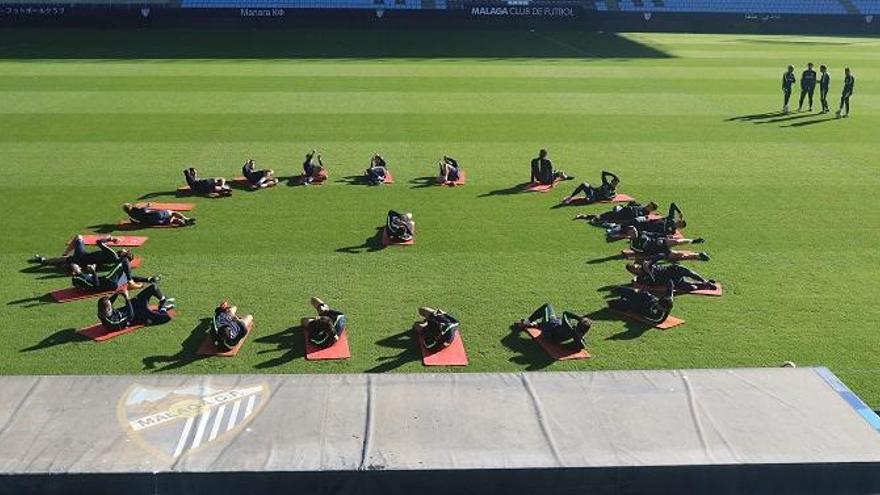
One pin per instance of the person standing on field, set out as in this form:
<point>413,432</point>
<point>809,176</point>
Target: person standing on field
<point>824,86</point>
<point>849,84</point>
<point>808,86</point>
<point>788,80</point>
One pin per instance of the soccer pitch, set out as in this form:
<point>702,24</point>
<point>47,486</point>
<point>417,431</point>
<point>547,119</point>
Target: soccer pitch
<point>92,119</point>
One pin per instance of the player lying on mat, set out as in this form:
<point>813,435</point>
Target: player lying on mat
<point>211,185</point>
<point>449,171</point>
<point>620,215</point>
<point>227,328</point>
<point>569,326</point>
<point>313,167</point>
<point>642,303</point>
<point>542,170</point>
<point>81,256</point>
<point>136,311</point>
<point>87,277</point>
<point>606,191</point>
<point>439,329</point>
<point>258,178</point>
<point>654,273</point>
<point>146,215</point>
<point>666,226</point>
<point>326,329</point>
<point>377,170</point>
<point>401,226</point>
<point>648,244</point>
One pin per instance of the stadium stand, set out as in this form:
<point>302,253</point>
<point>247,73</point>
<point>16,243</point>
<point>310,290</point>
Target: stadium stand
<point>318,4</point>
<point>867,7</point>
<point>808,7</point>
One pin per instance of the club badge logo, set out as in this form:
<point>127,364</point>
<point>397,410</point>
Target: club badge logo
<point>175,421</point>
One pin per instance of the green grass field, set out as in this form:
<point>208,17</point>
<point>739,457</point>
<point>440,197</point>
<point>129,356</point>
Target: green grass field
<point>91,119</point>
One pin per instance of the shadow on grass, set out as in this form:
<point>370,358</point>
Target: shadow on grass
<point>34,301</point>
<point>370,245</point>
<point>48,272</point>
<point>529,353</point>
<point>288,341</point>
<point>109,228</point>
<point>515,189</point>
<point>787,118</point>
<point>609,288</point>
<point>423,182</point>
<point>810,122</point>
<point>634,329</point>
<point>409,352</point>
<point>243,185</point>
<point>356,40</point>
<point>187,353</point>
<point>159,194</point>
<point>755,116</point>
<point>61,337</point>
<point>561,204</point>
<point>357,180</point>
<point>293,180</point>
<point>613,257</point>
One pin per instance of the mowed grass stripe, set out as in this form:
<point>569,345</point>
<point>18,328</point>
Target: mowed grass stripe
<point>439,127</point>
<point>662,71</point>
<point>339,103</point>
<point>588,84</point>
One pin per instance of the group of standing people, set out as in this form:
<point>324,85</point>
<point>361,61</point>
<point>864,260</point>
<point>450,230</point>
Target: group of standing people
<point>809,80</point>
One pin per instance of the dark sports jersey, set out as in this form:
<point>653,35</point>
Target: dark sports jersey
<point>647,305</point>
<point>627,213</point>
<point>440,329</point>
<point>646,243</point>
<point>605,191</point>
<point>661,274</point>
<point>553,328</point>
<point>191,178</point>
<point>787,80</point>
<point>849,84</point>
<point>247,170</point>
<point>808,78</point>
<point>309,165</point>
<point>398,228</point>
<point>825,81</point>
<point>104,256</point>
<point>561,329</point>
<point>92,281</point>
<point>253,176</point>
<point>88,281</point>
<point>149,216</point>
<point>234,330</point>
<point>323,331</point>
<point>196,184</point>
<point>658,226</point>
<point>541,163</point>
<point>544,168</point>
<point>118,318</point>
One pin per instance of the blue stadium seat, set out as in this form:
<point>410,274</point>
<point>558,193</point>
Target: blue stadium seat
<point>814,7</point>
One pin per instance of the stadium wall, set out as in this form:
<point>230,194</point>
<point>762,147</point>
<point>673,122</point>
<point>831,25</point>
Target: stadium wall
<point>417,14</point>
<point>724,431</point>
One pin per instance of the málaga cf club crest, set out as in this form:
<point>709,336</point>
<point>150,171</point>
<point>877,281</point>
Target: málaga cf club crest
<point>174,421</point>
